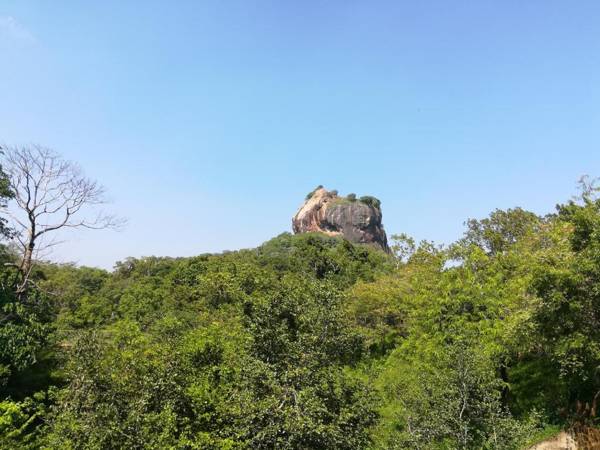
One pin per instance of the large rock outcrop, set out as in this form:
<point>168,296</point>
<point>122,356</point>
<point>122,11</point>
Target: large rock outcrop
<point>358,220</point>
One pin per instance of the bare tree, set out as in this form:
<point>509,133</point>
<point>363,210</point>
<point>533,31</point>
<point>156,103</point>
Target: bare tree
<point>50,194</point>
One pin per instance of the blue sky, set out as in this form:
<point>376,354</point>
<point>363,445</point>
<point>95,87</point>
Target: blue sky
<point>209,121</point>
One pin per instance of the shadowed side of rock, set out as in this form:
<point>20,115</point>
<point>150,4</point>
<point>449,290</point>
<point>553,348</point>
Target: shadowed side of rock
<point>358,220</point>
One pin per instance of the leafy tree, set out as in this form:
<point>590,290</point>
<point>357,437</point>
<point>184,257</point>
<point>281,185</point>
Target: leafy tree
<point>301,340</point>
<point>379,312</point>
<point>403,247</point>
<point>501,229</point>
<point>568,314</point>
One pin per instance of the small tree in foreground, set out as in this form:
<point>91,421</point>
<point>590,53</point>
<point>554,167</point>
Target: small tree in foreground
<point>50,194</point>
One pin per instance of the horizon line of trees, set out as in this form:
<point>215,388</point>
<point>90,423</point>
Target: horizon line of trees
<point>305,342</point>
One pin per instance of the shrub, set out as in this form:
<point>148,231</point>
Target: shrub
<point>311,193</point>
<point>371,201</point>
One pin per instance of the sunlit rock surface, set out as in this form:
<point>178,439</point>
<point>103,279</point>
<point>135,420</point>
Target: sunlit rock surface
<point>358,220</point>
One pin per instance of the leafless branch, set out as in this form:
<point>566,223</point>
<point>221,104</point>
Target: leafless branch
<point>50,194</point>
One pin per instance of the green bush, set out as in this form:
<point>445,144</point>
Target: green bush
<point>371,201</point>
<point>311,193</point>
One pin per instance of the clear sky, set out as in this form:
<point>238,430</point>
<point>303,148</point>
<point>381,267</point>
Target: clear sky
<point>209,121</point>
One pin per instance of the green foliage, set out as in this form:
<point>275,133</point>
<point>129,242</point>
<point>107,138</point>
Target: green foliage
<point>568,316</point>
<point>502,229</point>
<point>449,399</point>
<point>24,330</point>
<point>379,311</point>
<point>301,341</point>
<point>263,383</point>
<point>311,342</point>
<point>403,246</point>
<point>371,201</point>
<point>20,422</point>
<point>323,257</point>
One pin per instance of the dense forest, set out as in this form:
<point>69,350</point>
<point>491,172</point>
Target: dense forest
<point>310,341</point>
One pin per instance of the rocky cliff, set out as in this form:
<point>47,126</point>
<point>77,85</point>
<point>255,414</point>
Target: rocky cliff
<point>358,220</point>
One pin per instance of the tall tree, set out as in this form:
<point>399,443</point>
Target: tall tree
<point>50,194</point>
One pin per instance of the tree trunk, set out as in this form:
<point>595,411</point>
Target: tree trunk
<point>25,269</point>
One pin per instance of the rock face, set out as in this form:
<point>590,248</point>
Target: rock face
<point>358,220</point>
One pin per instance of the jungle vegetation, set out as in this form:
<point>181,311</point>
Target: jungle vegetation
<point>309,341</point>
